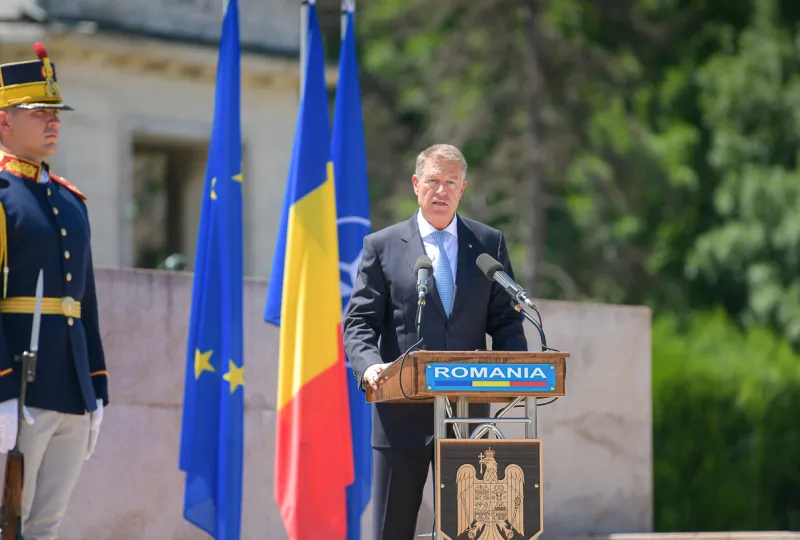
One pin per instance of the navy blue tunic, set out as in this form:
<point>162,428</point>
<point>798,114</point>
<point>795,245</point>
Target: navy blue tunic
<point>47,227</point>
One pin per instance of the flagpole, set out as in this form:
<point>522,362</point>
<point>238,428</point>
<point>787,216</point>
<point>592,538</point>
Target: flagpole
<point>303,41</point>
<point>346,6</point>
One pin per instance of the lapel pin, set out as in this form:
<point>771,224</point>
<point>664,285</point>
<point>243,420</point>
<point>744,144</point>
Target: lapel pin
<point>470,246</point>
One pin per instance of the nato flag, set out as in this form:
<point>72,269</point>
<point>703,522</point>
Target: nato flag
<point>353,224</point>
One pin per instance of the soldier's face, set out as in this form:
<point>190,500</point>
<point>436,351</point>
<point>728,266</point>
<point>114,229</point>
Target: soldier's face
<point>32,134</point>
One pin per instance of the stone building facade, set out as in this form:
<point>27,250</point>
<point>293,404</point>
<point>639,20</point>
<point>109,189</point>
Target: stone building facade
<point>141,76</point>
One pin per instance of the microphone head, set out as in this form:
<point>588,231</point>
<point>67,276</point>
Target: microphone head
<point>423,262</point>
<point>488,265</point>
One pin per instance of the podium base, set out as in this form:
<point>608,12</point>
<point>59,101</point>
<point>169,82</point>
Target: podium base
<point>486,489</point>
<point>489,489</point>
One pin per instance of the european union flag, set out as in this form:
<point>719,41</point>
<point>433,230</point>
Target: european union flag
<point>212,430</point>
<point>352,209</point>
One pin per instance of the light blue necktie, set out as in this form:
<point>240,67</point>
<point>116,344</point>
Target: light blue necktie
<point>442,272</point>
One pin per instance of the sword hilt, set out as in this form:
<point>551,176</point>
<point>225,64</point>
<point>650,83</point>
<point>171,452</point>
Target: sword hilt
<point>28,360</point>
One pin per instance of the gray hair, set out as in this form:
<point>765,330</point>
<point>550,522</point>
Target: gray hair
<point>446,152</point>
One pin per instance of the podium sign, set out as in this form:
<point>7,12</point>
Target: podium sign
<point>480,377</point>
<point>489,489</point>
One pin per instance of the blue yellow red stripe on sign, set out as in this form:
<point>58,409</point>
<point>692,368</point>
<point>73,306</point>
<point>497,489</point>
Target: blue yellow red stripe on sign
<point>499,383</point>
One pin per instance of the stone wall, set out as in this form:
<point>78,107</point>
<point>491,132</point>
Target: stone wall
<point>596,440</point>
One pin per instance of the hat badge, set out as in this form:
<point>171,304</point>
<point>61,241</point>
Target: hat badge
<point>51,86</point>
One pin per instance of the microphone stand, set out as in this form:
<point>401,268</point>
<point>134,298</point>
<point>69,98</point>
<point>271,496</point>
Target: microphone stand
<point>420,305</point>
<point>534,322</point>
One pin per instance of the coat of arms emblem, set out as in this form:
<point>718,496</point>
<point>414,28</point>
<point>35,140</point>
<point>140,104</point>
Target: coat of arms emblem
<point>490,508</point>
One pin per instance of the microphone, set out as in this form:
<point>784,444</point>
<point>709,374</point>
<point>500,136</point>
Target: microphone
<point>494,271</point>
<point>423,269</point>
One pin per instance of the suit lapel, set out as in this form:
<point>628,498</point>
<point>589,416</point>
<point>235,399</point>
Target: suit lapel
<point>413,249</point>
<point>466,262</point>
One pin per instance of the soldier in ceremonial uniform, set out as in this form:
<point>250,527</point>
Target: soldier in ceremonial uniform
<point>44,224</point>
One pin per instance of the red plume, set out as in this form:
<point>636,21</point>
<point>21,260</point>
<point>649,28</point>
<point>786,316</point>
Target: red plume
<point>41,52</point>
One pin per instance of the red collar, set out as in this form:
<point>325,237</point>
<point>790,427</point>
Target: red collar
<point>29,170</point>
<point>20,167</point>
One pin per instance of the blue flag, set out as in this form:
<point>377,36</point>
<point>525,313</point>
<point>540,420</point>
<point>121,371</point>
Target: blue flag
<point>352,211</point>
<point>212,428</point>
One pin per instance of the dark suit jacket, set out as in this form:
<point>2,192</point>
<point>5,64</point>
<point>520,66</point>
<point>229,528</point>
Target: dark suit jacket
<point>380,321</point>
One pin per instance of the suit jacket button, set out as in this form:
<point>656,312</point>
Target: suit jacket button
<point>70,321</point>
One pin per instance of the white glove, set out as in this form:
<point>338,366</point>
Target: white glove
<point>8,423</point>
<point>95,419</point>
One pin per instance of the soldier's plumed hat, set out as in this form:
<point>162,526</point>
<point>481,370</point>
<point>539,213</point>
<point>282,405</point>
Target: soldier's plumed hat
<point>32,84</point>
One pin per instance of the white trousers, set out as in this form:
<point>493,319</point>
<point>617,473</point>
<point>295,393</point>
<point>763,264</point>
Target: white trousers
<point>54,448</point>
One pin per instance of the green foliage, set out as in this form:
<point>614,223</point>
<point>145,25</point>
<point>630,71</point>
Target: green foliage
<point>637,184</point>
<point>725,426</point>
<point>751,104</point>
<point>684,190</point>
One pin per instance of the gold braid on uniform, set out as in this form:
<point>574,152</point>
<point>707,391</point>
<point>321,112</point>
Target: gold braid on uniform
<point>4,247</point>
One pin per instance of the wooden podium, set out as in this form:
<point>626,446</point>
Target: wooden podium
<point>486,489</point>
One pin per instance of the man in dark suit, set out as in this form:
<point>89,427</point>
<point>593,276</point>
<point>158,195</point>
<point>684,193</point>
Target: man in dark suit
<point>462,308</point>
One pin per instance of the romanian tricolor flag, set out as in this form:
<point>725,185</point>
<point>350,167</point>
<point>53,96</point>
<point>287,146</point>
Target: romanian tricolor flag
<point>313,461</point>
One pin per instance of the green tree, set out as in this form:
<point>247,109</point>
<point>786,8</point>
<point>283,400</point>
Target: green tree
<point>750,102</point>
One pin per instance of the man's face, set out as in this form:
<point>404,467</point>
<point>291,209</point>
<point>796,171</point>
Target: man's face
<point>32,134</point>
<point>439,190</point>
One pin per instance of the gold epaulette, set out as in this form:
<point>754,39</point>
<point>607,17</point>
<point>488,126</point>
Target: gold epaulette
<point>67,185</point>
<point>4,247</point>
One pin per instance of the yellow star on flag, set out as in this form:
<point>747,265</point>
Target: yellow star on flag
<point>235,376</point>
<point>238,177</point>
<point>202,362</point>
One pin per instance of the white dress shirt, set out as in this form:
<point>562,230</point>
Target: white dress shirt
<point>450,242</point>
